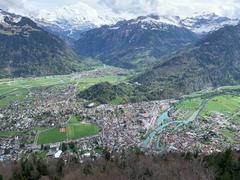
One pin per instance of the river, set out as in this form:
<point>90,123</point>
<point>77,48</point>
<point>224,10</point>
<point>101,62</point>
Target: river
<point>163,121</point>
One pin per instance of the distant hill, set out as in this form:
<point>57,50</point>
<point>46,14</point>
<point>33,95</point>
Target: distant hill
<point>108,93</point>
<point>212,62</point>
<point>135,43</point>
<point>28,50</point>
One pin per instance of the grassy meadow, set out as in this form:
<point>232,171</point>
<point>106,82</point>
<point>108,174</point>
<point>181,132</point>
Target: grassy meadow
<point>15,90</point>
<point>225,104</point>
<point>12,90</point>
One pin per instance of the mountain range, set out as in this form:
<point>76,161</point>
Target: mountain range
<point>143,41</point>
<point>26,49</point>
<point>134,43</point>
<point>181,55</point>
<point>206,23</point>
<point>70,21</point>
<point>211,62</point>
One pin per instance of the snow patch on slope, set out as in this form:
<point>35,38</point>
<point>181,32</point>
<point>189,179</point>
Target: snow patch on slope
<point>208,22</point>
<point>170,20</point>
<point>201,24</point>
<point>83,17</point>
<point>77,16</point>
<point>12,17</point>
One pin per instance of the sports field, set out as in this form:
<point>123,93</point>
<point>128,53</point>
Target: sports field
<point>74,130</point>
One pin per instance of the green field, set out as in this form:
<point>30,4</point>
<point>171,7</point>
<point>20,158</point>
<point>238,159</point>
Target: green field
<point>87,82</point>
<point>225,104</point>
<point>51,136</point>
<point>10,133</point>
<point>12,90</point>
<point>200,93</point>
<point>15,90</point>
<point>74,130</point>
<point>189,106</point>
<point>229,135</point>
<point>219,100</point>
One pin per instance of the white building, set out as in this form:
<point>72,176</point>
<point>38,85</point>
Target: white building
<point>58,154</point>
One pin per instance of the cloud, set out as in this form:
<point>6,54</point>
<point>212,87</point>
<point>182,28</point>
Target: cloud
<point>11,4</point>
<point>132,8</point>
<point>174,7</point>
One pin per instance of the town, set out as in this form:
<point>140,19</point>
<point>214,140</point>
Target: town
<point>122,126</point>
<point>40,124</point>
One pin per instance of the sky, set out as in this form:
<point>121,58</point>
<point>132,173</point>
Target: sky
<point>183,8</point>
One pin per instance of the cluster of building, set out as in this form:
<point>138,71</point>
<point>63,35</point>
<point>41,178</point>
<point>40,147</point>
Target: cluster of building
<point>123,127</point>
<point>214,133</point>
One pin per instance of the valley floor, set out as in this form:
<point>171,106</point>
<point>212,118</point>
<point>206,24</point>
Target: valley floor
<point>45,117</point>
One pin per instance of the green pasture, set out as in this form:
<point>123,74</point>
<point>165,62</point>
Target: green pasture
<point>189,106</point>
<point>15,90</point>
<point>87,82</point>
<point>12,90</point>
<point>225,104</point>
<point>10,133</point>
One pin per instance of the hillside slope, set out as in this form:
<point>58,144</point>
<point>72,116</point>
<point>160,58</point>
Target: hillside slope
<point>212,62</point>
<point>26,49</point>
<point>135,43</point>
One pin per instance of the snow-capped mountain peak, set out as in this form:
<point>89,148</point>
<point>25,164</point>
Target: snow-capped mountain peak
<point>73,19</point>
<point>206,23</point>
<point>6,17</point>
<point>150,22</point>
<point>77,16</point>
<point>156,19</point>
